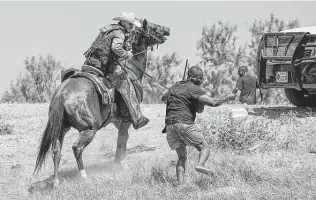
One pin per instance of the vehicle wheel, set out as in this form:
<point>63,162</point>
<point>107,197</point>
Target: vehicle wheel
<point>312,100</point>
<point>298,98</point>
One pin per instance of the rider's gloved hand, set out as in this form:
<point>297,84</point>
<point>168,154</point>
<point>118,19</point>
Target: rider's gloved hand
<point>129,55</point>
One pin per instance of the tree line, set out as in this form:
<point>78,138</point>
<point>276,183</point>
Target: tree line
<point>220,57</point>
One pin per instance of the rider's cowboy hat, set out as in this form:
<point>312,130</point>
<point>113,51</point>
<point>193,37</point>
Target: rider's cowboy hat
<point>128,17</point>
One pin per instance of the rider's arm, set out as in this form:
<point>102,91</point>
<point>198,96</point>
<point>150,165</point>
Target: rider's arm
<point>117,44</point>
<point>206,100</point>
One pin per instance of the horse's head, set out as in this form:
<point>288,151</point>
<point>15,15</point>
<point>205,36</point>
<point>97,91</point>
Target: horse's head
<point>141,39</point>
<point>149,34</point>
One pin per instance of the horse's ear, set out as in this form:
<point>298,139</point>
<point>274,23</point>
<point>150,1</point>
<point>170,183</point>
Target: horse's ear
<point>145,24</point>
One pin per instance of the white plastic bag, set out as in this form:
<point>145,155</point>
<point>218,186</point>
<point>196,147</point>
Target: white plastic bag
<point>238,115</point>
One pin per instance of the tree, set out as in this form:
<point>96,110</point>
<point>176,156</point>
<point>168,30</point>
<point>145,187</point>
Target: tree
<point>160,69</point>
<point>220,57</point>
<point>37,83</point>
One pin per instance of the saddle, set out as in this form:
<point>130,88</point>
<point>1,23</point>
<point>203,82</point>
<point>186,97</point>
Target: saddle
<point>104,88</point>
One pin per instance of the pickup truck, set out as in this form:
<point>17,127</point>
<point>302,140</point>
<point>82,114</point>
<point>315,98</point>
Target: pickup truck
<point>287,59</point>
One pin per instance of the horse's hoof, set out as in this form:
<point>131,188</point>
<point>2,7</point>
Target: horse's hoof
<point>83,174</point>
<point>56,183</point>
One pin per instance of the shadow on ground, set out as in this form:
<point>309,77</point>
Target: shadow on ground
<point>137,149</point>
<point>277,111</point>
<point>47,184</point>
<point>109,166</point>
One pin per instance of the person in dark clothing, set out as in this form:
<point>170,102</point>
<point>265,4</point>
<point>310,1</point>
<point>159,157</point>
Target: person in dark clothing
<point>247,84</point>
<point>104,53</point>
<point>183,100</point>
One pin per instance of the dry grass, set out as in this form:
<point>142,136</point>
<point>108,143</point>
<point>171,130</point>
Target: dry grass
<point>267,158</point>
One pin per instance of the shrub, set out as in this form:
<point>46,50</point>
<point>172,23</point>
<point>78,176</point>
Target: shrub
<point>258,134</point>
<point>5,128</point>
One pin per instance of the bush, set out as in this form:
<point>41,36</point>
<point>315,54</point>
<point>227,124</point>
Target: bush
<point>258,134</point>
<point>5,129</point>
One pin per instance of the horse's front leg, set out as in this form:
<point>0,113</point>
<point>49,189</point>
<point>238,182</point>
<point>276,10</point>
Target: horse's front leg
<point>121,140</point>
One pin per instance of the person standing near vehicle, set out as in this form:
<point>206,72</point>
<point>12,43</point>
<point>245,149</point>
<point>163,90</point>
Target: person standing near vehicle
<point>247,85</point>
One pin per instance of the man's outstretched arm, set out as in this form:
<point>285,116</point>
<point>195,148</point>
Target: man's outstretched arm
<point>206,100</point>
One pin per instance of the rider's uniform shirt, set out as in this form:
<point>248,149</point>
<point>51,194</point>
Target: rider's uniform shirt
<point>107,47</point>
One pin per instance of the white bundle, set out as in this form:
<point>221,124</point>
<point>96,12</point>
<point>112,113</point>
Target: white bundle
<point>238,115</point>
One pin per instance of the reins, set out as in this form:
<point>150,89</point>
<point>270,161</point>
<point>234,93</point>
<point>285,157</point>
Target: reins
<point>143,71</point>
<point>125,66</point>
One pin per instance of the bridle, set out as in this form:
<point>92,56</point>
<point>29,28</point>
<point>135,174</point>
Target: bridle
<point>148,35</point>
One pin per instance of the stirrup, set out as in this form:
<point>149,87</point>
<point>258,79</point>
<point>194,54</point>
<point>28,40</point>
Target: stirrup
<point>141,122</point>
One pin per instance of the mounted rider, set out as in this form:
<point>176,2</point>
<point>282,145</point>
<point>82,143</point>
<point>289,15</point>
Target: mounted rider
<point>107,50</point>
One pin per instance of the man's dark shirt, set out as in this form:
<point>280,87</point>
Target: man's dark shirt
<point>182,102</point>
<point>247,85</point>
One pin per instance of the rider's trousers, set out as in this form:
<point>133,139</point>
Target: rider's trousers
<point>126,89</point>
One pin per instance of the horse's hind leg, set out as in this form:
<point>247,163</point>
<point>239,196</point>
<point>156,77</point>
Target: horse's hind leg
<point>121,140</point>
<point>56,147</point>
<point>84,140</point>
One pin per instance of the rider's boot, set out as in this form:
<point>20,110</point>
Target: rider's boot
<point>127,91</point>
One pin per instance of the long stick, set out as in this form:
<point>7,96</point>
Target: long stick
<point>185,69</point>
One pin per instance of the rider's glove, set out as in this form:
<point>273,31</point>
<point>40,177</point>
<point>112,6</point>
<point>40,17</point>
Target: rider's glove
<point>129,55</point>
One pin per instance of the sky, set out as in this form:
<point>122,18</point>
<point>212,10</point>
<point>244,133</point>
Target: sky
<point>65,29</point>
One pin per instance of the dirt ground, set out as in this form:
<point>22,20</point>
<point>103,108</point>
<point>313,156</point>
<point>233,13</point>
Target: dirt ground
<point>18,150</point>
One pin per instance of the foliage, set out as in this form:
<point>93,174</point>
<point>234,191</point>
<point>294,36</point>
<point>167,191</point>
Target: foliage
<point>37,83</point>
<point>161,70</point>
<point>260,134</point>
<point>220,57</point>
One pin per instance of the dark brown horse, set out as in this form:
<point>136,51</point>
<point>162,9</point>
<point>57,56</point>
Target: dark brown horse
<point>76,104</point>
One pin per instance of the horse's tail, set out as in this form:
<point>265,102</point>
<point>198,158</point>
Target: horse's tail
<point>52,130</point>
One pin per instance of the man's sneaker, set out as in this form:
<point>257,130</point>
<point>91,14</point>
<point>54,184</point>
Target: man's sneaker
<point>141,122</point>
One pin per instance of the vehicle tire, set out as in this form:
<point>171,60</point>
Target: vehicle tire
<point>312,100</point>
<point>298,98</point>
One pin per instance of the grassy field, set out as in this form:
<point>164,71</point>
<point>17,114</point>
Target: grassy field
<point>269,157</point>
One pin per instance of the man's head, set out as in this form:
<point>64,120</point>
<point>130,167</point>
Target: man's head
<point>128,21</point>
<point>242,70</point>
<point>195,75</point>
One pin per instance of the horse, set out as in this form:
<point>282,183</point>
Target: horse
<point>75,103</point>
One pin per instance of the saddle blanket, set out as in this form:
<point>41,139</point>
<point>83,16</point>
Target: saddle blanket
<point>102,85</point>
